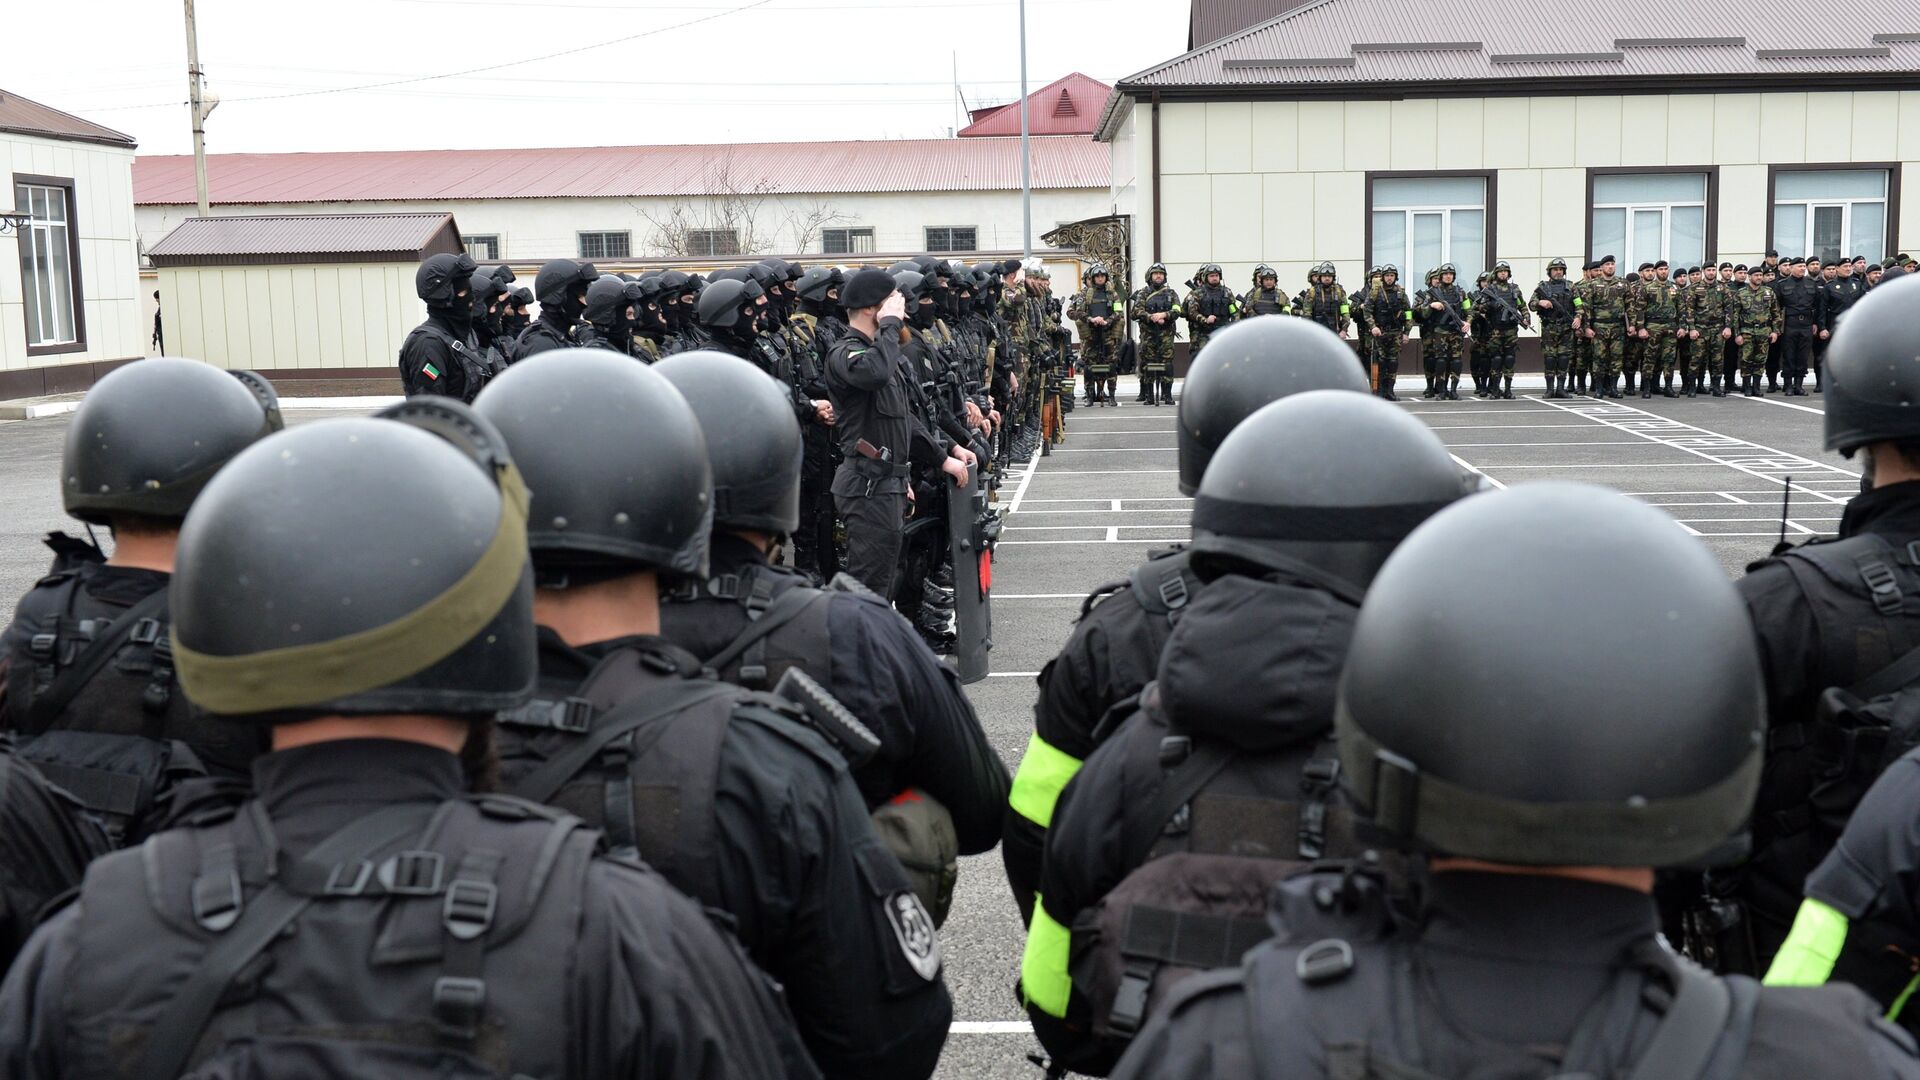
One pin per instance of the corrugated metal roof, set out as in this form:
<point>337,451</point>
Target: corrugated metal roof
<point>626,171</point>
<point>1211,20</point>
<point>1066,106</point>
<point>29,117</point>
<point>1773,45</point>
<point>204,241</point>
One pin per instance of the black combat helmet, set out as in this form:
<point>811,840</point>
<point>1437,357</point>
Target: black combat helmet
<point>724,305</point>
<point>1872,377</point>
<point>441,277</point>
<point>1245,366</point>
<point>607,300</point>
<point>563,278</point>
<point>813,284</point>
<point>364,565</point>
<point>753,443</point>
<point>615,460</point>
<point>1322,485</point>
<point>486,290</point>
<point>149,436</point>
<point>1516,756</point>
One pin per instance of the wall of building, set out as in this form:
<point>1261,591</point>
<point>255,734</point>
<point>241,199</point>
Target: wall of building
<point>283,318</point>
<point>537,229</point>
<point>108,262</point>
<point>1284,182</point>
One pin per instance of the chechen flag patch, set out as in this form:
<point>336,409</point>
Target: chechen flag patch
<point>432,372</point>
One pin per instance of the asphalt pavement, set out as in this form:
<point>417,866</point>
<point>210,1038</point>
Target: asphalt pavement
<point>1090,511</point>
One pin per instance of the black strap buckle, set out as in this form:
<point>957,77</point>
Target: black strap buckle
<point>1884,586</point>
<point>1130,1002</point>
<point>469,908</point>
<point>349,879</point>
<point>145,632</point>
<point>457,1004</point>
<point>1175,749</point>
<point>41,646</point>
<point>217,899</point>
<point>1173,592</point>
<point>574,715</point>
<point>1324,961</point>
<point>412,873</point>
<point>724,586</point>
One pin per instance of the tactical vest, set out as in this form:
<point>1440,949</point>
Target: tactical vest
<point>1561,294</point>
<point>1353,1001</point>
<point>1267,302</point>
<point>473,368</point>
<point>1162,586</point>
<point>1387,308</point>
<point>91,688</point>
<point>433,950</point>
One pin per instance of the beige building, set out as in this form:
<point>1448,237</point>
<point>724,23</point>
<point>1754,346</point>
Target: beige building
<point>69,253</point>
<point>1692,130</point>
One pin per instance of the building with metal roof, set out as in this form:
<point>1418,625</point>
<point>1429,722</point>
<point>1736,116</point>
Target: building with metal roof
<point>818,198</point>
<point>69,255</point>
<point>1421,131</point>
<point>1069,105</point>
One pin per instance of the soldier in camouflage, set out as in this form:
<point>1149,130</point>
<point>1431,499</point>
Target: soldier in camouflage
<point>1654,317</point>
<point>1555,301</point>
<point>1506,313</point>
<point>1757,314</point>
<point>1583,381</point>
<point>1423,318</point>
<point>1324,301</point>
<point>1632,356</point>
<point>1156,307</point>
<point>1603,322</point>
<point>1479,355</point>
<point>1451,312</point>
<point>1099,312</point>
<point>1210,306</point>
<point>1386,313</point>
<point>1266,297</point>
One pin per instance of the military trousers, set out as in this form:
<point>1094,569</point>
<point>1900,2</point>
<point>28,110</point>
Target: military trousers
<point>1754,351</point>
<point>1709,355</point>
<point>1609,344</point>
<point>1504,346</point>
<point>1556,347</point>
<point>1386,353</point>
<point>1796,351</point>
<point>875,524</point>
<point>1656,354</point>
<point>1448,346</point>
<point>1582,352</point>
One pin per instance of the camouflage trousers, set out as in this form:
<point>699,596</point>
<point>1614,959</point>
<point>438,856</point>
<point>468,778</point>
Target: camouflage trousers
<point>1609,344</point>
<point>1156,356</point>
<point>1582,352</point>
<point>1385,350</point>
<point>1753,354</point>
<point>1656,353</point>
<point>1556,347</point>
<point>1709,355</point>
<point>1503,350</point>
<point>1196,342</point>
<point>1447,347</point>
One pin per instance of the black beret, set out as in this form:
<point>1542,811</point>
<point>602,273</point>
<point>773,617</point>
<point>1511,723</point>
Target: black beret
<point>1608,259</point>
<point>1726,266</point>
<point>1648,266</point>
<point>1772,254</point>
<point>1009,266</point>
<point>1740,267</point>
<point>1661,263</point>
<point>866,288</point>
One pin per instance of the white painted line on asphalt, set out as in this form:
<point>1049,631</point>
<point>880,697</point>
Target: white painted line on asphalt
<point>1470,467</point>
<point>1122,540</point>
<point>1462,412</point>
<point>1040,596</point>
<point>1113,533</point>
<point>1170,498</point>
<point>1108,472</point>
<point>1011,674</point>
<point>1785,404</point>
<point>1116,504</point>
<point>1108,449</point>
<point>990,1027</point>
<point>1752,458</point>
<point>1606,465</point>
<point>1020,490</point>
<point>1727,495</point>
<point>1498,427</point>
<point>1594,442</point>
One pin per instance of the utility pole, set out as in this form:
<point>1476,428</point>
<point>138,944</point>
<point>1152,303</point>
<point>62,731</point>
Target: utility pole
<point>202,108</point>
<point>1026,158</point>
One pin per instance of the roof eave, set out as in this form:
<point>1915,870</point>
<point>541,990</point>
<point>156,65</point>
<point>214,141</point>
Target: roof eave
<point>1112,115</point>
<point>113,138</point>
<point>1504,86</point>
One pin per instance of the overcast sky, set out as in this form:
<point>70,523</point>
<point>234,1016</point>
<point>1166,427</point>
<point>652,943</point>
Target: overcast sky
<point>668,72</point>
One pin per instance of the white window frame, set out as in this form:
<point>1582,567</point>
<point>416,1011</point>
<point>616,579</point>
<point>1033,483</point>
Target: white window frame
<point>580,243</point>
<point>951,246</point>
<point>1630,258</point>
<point>37,239</point>
<point>1404,257</point>
<point>491,240</point>
<point>850,235</point>
<point>1845,205</point>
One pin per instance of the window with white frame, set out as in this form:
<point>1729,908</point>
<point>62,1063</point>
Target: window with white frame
<point>49,274</point>
<point>848,241</point>
<point>483,248</point>
<point>1830,213</point>
<point>605,245</point>
<point>1422,221</point>
<point>1647,217</point>
<point>951,238</point>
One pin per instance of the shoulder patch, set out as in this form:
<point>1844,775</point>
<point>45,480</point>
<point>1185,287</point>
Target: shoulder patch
<point>913,929</point>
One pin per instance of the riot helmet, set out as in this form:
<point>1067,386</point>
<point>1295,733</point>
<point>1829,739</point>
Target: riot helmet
<point>607,306</point>
<point>1097,269</point>
<point>1262,273</point>
<point>1390,271</point>
<point>1502,265</point>
<point>488,294</point>
<point>1518,757</point>
<point>1557,264</point>
<point>728,307</point>
<point>501,273</point>
<point>1872,380</point>
<point>913,287</point>
<point>1320,486</point>
<point>315,577</point>
<point>1156,268</point>
<point>754,447</point>
<point>444,282</point>
<point>150,434</point>
<point>1247,365</point>
<point>616,462</point>
<point>562,284</point>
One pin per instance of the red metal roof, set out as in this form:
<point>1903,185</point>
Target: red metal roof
<point>629,171</point>
<point>1069,105</point>
<point>29,117</point>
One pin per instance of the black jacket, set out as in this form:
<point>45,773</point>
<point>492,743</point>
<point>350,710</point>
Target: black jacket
<point>552,330</point>
<point>46,843</point>
<point>809,887</point>
<point>876,666</point>
<point>441,358</point>
<point>644,984</point>
<point>1803,302</point>
<point>870,382</point>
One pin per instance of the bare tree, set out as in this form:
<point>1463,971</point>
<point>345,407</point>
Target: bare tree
<point>805,222</point>
<point>731,204</point>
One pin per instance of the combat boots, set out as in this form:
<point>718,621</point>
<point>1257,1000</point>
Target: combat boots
<point>1668,387</point>
<point>1718,390</point>
<point>1692,384</point>
<point>1646,386</point>
<point>1796,387</point>
<point>1773,384</point>
<point>1452,392</point>
<point>1506,388</point>
<point>1580,384</point>
<point>1613,386</point>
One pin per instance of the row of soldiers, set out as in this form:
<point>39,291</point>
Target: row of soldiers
<point>983,341</point>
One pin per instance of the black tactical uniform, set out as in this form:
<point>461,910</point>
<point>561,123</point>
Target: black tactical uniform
<point>814,547</point>
<point>605,324</point>
<point>490,295</point>
<point>434,933</point>
<point>1536,971</point>
<point>723,790</point>
<point>1115,647</point>
<point>441,355</point>
<point>562,287</point>
<point>1803,305</point>
<point>87,672</point>
<point>46,842</point>
<point>1228,761</point>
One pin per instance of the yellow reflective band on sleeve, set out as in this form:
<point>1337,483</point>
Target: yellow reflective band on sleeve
<point>1811,948</point>
<point>1043,774</point>
<point>1044,982</point>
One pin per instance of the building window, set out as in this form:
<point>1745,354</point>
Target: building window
<point>50,266</point>
<point>1422,221</point>
<point>605,245</point>
<point>487,248</point>
<point>846,241</point>
<point>713,242</point>
<point>1830,213</point>
<point>1647,217</point>
<point>951,238</point>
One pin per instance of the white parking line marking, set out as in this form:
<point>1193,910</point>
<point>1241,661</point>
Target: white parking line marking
<point>1785,405</point>
<point>990,1027</point>
<point>1470,467</point>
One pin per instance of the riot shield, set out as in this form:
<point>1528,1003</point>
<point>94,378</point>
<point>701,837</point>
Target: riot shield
<point>974,527</point>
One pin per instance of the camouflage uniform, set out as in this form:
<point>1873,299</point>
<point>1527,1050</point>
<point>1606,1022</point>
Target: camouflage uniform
<point>1709,311</point>
<point>1505,312</point>
<point>1757,313</point>
<point>1264,299</point>
<point>1208,300</point>
<point>1556,329</point>
<point>1156,338</point>
<point>1447,333</point>
<point>1325,301</point>
<point>1479,359</point>
<point>1429,342</point>
<point>1604,316</point>
<point>1099,345</point>
<point>1654,309</point>
<point>1582,344</point>
<point>1387,309</point>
